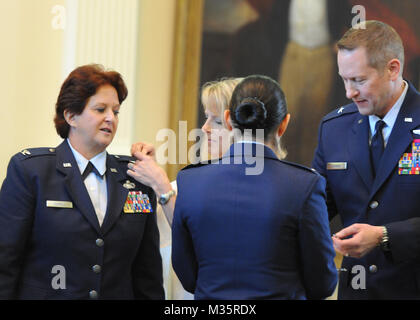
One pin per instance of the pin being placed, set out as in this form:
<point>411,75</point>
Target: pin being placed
<point>129,185</point>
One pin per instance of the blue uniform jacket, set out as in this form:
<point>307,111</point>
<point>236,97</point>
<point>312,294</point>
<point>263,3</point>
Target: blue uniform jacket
<point>391,199</point>
<point>41,240</point>
<point>266,236</point>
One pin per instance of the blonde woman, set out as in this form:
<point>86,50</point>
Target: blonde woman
<point>238,234</point>
<point>215,97</point>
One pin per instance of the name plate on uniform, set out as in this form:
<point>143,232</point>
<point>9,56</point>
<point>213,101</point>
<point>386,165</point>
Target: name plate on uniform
<point>336,165</point>
<point>59,204</point>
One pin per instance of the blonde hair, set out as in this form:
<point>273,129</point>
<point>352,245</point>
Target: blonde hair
<point>381,41</point>
<point>219,92</point>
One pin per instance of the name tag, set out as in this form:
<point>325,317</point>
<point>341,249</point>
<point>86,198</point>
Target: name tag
<point>59,204</point>
<point>337,166</point>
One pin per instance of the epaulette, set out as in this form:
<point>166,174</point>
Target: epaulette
<point>36,152</point>
<point>122,158</point>
<point>300,166</point>
<point>196,165</point>
<point>347,109</point>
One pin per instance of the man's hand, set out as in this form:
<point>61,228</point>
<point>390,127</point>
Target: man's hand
<point>357,239</point>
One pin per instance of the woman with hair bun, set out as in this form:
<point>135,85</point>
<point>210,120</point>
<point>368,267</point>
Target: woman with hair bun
<point>244,234</point>
<point>215,98</point>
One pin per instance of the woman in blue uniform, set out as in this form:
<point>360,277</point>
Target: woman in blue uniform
<point>215,97</point>
<point>251,226</point>
<point>73,225</point>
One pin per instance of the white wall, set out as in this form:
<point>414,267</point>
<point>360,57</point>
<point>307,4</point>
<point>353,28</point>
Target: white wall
<point>154,66</point>
<point>31,55</point>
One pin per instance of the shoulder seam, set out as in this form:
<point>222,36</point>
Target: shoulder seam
<point>299,166</point>
<point>123,158</point>
<point>35,152</point>
<point>341,111</point>
<point>196,165</point>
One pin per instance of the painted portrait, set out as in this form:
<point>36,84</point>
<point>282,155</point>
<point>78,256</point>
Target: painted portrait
<point>293,41</point>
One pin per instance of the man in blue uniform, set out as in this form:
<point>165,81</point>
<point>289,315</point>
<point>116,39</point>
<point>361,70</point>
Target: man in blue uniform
<point>360,151</point>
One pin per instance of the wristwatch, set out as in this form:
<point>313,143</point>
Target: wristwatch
<point>384,244</point>
<point>164,198</point>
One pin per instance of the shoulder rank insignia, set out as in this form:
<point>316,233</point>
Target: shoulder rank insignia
<point>36,152</point>
<point>25,152</point>
<point>137,202</point>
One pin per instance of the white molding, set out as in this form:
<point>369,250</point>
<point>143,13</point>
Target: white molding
<point>105,32</point>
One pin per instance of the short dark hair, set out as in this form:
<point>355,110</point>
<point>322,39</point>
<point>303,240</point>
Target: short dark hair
<point>80,85</point>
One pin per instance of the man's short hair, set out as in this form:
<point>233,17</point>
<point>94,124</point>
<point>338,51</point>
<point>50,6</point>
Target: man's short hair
<point>381,41</point>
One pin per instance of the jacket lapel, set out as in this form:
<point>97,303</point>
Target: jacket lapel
<point>117,193</point>
<point>400,139</point>
<point>359,149</point>
<point>66,164</point>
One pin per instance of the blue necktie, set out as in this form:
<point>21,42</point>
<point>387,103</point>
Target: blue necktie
<point>377,146</point>
<point>89,168</point>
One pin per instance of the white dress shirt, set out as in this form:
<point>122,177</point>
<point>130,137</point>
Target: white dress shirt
<point>389,118</point>
<point>96,187</point>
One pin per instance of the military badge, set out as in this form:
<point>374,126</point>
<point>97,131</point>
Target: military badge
<point>137,202</point>
<point>129,185</point>
<point>409,163</point>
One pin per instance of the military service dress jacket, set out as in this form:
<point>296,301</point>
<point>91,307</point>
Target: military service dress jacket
<point>391,199</point>
<point>51,243</point>
<point>263,235</point>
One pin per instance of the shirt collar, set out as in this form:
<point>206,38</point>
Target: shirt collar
<point>99,161</point>
<point>249,141</point>
<point>392,114</point>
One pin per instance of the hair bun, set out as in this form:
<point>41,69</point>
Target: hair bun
<point>251,113</point>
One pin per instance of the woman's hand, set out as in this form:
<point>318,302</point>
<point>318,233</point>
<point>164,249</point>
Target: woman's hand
<point>145,170</point>
<point>144,148</point>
